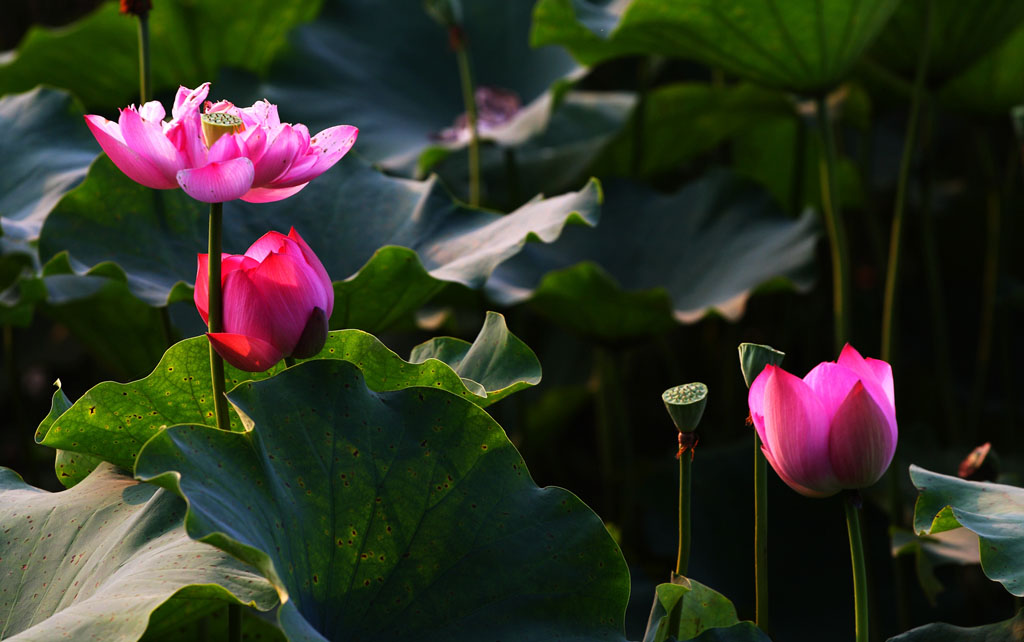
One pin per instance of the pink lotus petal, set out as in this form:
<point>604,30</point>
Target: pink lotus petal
<point>803,490</point>
<point>796,431</point>
<point>149,142</point>
<point>330,145</point>
<point>245,353</point>
<point>269,243</point>
<point>861,441</point>
<point>227,147</point>
<point>313,261</point>
<point>271,194</point>
<point>755,400</point>
<point>874,370</point>
<point>245,309</point>
<point>201,292</point>
<point>152,112</point>
<point>278,156</point>
<point>831,383</point>
<point>189,100</point>
<point>229,263</point>
<point>137,168</point>
<point>290,289</point>
<point>217,182</point>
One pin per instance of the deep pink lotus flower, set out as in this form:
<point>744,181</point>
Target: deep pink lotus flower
<point>833,429</point>
<point>277,300</point>
<point>250,153</point>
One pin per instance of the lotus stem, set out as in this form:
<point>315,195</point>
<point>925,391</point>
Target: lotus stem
<point>899,206</point>
<point>760,536</point>
<point>145,81</point>
<point>685,483</point>
<point>834,223</point>
<point>215,317</point>
<point>469,97</point>
<point>860,587</point>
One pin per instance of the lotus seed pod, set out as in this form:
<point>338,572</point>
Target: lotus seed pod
<point>685,404</point>
<point>754,357</point>
<point>220,124</point>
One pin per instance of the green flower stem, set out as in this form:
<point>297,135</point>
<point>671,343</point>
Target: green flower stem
<point>899,206</point>
<point>215,316</point>
<point>760,535</point>
<point>683,554</point>
<point>468,96</point>
<point>215,323</point>
<point>145,86</point>
<point>834,223</point>
<point>860,586</point>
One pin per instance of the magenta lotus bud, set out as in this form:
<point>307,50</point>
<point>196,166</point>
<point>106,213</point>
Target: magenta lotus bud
<point>833,429</point>
<point>222,154</point>
<point>277,300</point>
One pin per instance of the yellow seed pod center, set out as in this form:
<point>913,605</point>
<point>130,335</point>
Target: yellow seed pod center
<point>220,124</point>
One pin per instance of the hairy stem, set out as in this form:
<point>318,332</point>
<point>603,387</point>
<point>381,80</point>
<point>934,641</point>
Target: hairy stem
<point>145,82</point>
<point>683,554</point>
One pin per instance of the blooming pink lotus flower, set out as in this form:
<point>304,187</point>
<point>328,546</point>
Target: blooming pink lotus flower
<point>277,300</point>
<point>223,154</point>
<point>833,429</point>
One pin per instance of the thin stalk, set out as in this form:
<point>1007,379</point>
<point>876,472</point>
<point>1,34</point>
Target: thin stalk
<point>145,86</point>
<point>683,554</point>
<point>899,206</point>
<point>215,323</point>
<point>990,282</point>
<point>834,223</point>
<point>469,97</point>
<point>860,585</point>
<point>796,184</point>
<point>215,317</point>
<point>760,536</point>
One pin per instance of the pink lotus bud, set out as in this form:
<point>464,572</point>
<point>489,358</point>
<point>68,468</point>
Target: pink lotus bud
<point>277,300</point>
<point>219,155</point>
<point>833,429</point>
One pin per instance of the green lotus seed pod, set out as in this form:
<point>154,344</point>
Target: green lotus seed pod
<point>685,404</point>
<point>754,357</point>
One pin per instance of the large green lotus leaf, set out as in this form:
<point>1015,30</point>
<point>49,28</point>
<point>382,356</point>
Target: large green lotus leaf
<point>344,215</point>
<point>995,512</point>
<point>44,152</point>
<point>992,84</point>
<point>97,59</point>
<point>417,517</point>
<point>95,561</point>
<point>401,96</point>
<point>677,256</point>
<point>962,31</point>
<point>112,420</point>
<point>800,45</point>
<point>684,120</point>
<point>1011,630</point>
<point>685,609</point>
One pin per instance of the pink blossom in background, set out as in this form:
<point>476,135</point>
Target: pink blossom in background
<point>264,160</point>
<point>277,301</point>
<point>833,429</point>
